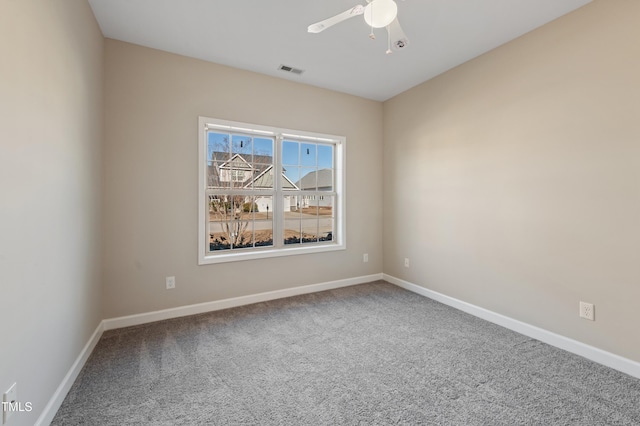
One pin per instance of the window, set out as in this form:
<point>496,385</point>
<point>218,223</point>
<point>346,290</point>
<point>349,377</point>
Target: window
<point>268,192</point>
<point>237,175</point>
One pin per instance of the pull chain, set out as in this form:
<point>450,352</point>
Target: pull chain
<point>372,36</point>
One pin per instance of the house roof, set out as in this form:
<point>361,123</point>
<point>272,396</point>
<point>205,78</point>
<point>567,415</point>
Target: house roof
<point>323,178</point>
<point>236,162</point>
<point>224,157</point>
<point>265,180</point>
<point>262,170</point>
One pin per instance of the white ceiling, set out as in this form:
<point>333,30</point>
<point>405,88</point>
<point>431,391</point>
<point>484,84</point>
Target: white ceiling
<point>260,35</point>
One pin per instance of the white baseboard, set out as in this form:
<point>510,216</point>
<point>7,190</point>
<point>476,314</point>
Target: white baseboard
<point>592,353</point>
<point>59,395</point>
<point>216,305</point>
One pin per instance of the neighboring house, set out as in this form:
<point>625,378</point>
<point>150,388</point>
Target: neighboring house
<point>323,181</point>
<point>237,172</point>
<point>237,169</point>
<point>265,181</point>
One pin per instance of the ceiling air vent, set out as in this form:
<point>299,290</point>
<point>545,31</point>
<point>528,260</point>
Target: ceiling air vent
<point>290,69</point>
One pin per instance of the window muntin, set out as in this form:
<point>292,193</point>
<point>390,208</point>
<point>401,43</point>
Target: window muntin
<point>249,214</point>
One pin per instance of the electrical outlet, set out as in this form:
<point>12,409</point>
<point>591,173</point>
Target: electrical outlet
<point>587,311</point>
<point>365,257</point>
<point>171,282</point>
<point>9,397</point>
<point>406,262</point>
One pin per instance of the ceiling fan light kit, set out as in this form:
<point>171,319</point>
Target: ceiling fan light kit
<point>380,13</point>
<point>377,14</point>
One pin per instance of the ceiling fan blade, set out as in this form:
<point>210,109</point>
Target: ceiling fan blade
<point>323,25</point>
<point>398,38</point>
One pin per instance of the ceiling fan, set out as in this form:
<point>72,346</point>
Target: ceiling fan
<point>377,14</point>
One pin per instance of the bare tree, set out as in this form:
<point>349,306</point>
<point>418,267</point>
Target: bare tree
<point>232,213</point>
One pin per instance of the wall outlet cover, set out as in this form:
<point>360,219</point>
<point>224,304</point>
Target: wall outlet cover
<point>587,311</point>
<point>171,283</point>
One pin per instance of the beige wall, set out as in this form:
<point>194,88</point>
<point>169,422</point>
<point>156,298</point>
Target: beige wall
<point>50,140</point>
<point>153,100</point>
<point>512,181</point>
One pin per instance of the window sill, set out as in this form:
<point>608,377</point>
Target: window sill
<point>264,253</point>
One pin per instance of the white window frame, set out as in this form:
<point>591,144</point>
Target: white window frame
<point>279,248</point>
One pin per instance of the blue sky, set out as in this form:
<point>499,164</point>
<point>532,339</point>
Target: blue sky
<point>240,144</point>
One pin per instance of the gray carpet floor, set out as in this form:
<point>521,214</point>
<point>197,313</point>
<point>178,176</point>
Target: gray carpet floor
<point>367,354</point>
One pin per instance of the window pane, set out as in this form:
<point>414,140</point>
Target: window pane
<point>263,221</point>
<point>291,219</point>
<point>309,209</point>
<point>292,231</point>
<point>242,145</point>
<point>308,154</point>
<point>326,219</point>
<point>219,220</point>
<point>241,216</point>
<point>245,235</point>
<point>326,178</point>
<point>263,164</point>
<point>290,153</point>
<point>263,147</point>
<point>263,177</point>
<point>238,171</point>
<point>307,179</point>
<point>264,234</point>
<point>309,231</point>
<point>218,152</point>
<point>290,177</point>
<point>219,143</point>
<point>325,157</point>
<point>309,219</point>
<point>290,205</point>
